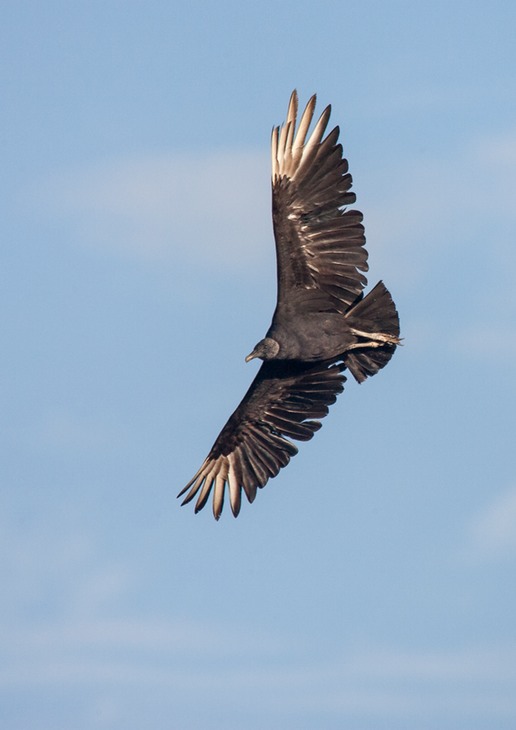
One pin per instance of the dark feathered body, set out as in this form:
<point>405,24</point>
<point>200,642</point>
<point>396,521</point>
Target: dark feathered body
<point>311,337</point>
<point>328,335</point>
<point>322,323</point>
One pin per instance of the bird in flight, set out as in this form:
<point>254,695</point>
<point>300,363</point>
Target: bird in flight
<point>322,325</point>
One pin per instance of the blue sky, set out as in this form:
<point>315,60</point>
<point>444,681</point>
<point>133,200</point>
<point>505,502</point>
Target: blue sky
<point>371,584</point>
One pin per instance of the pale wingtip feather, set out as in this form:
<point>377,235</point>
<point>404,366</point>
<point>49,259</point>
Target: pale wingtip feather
<point>282,156</point>
<point>292,107</point>
<point>304,123</point>
<point>274,152</point>
<point>309,150</point>
<point>289,145</point>
<point>194,483</point>
<point>235,493</point>
<point>205,491</point>
<point>218,494</point>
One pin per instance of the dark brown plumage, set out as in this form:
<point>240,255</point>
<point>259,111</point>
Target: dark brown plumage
<point>322,323</point>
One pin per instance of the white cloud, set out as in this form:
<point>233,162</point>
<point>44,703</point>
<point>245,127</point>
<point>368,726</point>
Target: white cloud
<point>427,210</point>
<point>62,430</point>
<point>92,646</point>
<point>34,562</point>
<point>487,342</point>
<point>227,666</point>
<point>213,207</point>
<point>162,636</point>
<point>499,149</point>
<point>493,531</point>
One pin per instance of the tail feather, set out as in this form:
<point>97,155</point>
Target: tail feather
<point>374,313</point>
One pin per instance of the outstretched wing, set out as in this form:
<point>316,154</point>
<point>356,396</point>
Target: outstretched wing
<point>254,444</point>
<point>319,246</point>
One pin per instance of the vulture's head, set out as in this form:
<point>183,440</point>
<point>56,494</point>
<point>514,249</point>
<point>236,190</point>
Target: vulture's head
<point>266,349</point>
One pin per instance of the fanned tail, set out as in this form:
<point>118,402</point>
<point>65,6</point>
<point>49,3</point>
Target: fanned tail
<point>375,313</point>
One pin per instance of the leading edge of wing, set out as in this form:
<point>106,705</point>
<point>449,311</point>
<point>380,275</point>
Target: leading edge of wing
<point>254,444</point>
<point>319,244</point>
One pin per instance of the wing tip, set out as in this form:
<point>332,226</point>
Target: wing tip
<point>291,150</point>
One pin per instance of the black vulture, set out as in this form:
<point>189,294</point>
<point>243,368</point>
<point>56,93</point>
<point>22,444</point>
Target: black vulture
<point>322,325</point>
